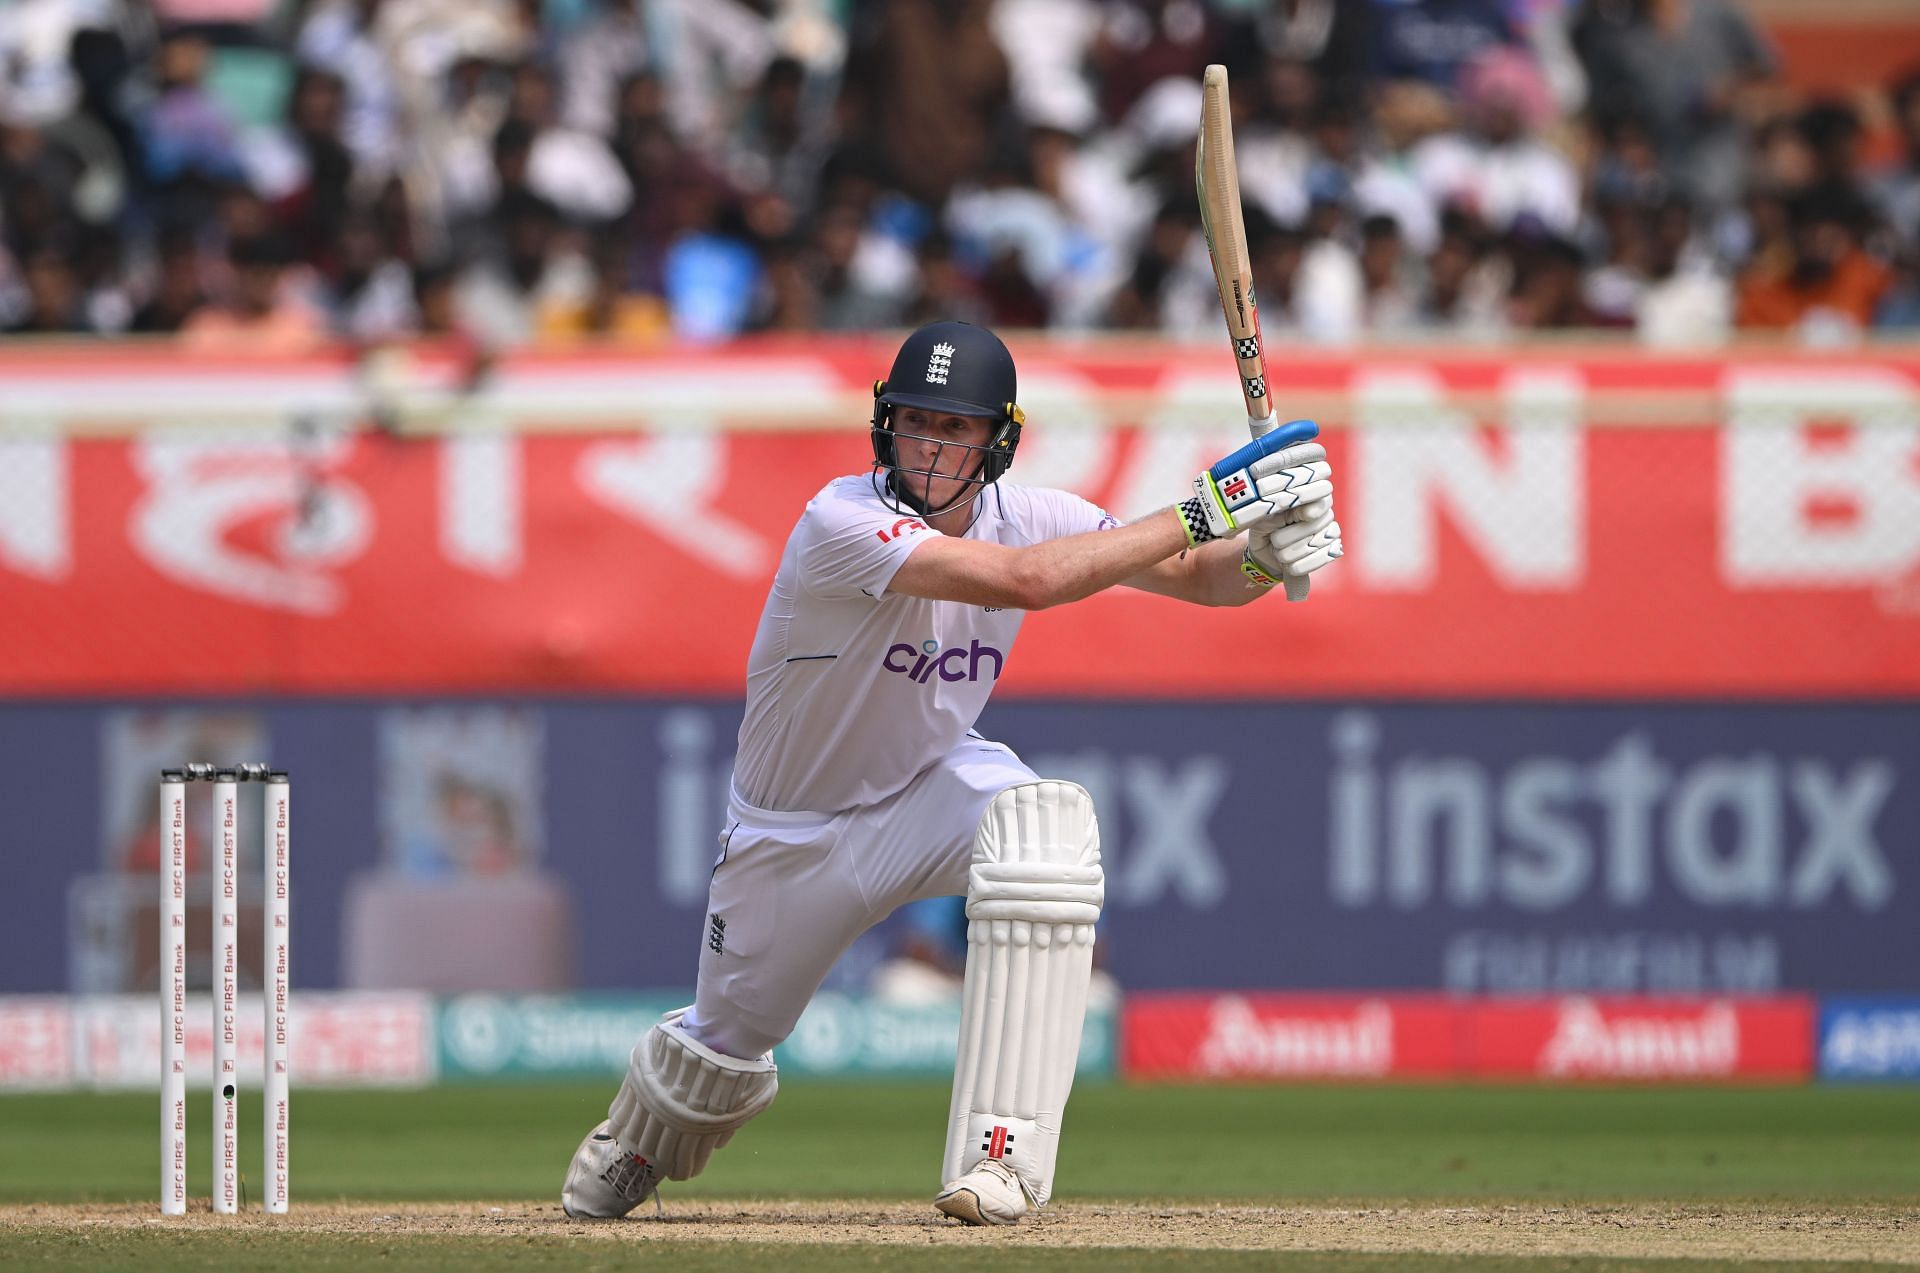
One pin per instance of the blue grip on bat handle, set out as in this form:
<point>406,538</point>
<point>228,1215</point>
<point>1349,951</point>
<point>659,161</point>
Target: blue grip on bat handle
<point>1292,433</point>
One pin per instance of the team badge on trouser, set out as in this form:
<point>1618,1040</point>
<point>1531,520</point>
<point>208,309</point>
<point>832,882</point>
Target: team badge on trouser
<point>1033,895</point>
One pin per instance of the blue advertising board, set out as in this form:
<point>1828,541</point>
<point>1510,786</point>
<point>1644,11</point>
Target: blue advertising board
<point>1870,1038</point>
<point>1503,848</point>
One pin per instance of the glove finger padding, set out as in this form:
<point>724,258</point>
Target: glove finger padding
<point>1304,554</point>
<point>1319,511</point>
<point>1291,528</point>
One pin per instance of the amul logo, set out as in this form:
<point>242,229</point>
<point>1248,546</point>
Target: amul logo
<point>940,363</point>
<point>920,663</point>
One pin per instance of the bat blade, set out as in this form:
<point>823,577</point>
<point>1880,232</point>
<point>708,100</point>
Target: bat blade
<point>1216,182</point>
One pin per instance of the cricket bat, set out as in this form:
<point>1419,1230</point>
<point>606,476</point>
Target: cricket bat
<point>1217,183</point>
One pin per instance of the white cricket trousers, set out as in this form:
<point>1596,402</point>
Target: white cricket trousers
<point>792,891</point>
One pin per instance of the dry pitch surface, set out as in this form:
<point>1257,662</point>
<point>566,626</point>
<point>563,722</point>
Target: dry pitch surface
<point>1626,1232</point>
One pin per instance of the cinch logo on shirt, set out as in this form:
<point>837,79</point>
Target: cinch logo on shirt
<point>904,526</point>
<point>920,663</point>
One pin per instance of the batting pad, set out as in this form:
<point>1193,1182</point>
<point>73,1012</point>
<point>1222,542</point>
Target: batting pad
<point>1033,894</point>
<point>682,1100</point>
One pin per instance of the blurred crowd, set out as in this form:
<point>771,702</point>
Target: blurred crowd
<point>278,172</point>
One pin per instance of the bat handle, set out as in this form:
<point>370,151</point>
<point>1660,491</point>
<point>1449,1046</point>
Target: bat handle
<point>1260,427</point>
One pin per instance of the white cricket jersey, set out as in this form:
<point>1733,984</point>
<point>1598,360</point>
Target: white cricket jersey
<point>851,689</point>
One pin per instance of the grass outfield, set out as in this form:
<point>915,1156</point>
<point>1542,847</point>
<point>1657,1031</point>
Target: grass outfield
<point>1281,1160</point>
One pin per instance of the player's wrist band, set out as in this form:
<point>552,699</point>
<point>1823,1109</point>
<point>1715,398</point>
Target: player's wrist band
<point>1256,576</point>
<point>1193,516</point>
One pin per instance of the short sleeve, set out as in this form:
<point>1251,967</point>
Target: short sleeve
<point>848,547</point>
<point>1051,514</point>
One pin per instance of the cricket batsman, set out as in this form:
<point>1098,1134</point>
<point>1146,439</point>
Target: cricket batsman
<point>861,785</point>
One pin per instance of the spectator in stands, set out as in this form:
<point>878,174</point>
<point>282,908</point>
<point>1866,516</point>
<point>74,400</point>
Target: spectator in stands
<point>99,267</point>
<point>436,300</point>
<point>610,309</point>
<point>710,271</point>
<point>305,169</point>
<point>1142,42</point>
<point>1624,166</point>
<point>711,53</point>
<point>1468,279</point>
<point>1275,253</point>
<point>1617,236</point>
<point>853,296</point>
<point>1686,299</point>
<point>339,36</point>
<point>593,60</point>
<point>572,169</point>
<point>787,300</point>
<point>1327,296</point>
<point>1897,189</point>
<point>531,264</point>
<point>923,89</point>
<point>369,297</point>
<point>175,290</point>
<point>1896,192</point>
<point>177,287</point>
<point>1498,165</point>
<point>1435,40</point>
<point>1826,288</point>
<point>1049,49</point>
<point>1141,302</point>
<point>1549,292</point>
<point>1900,306</point>
<point>1831,130</point>
<point>1404,164</point>
<point>263,309</point>
<point>942,290</point>
<point>1019,216</point>
<point>1349,173</point>
<point>53,295</point>
<point>37,181</point>
<point>1331,41</point>
<point>1273,144</point>
<point>1688,68</point>
<point>659,169</point>
<point>1102,215</point>
<point>1392,296</point>
<point>188,139</point>
<point>779,146</point>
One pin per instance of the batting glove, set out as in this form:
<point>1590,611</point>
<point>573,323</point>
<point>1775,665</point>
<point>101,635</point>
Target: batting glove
<point>1269,477</point>
<point>1292,547</point>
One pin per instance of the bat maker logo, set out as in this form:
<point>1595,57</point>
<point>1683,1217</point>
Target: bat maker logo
<point>961,663</point>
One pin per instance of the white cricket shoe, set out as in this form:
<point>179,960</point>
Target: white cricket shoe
<point>989,1194</point>
<point>604,1181</point>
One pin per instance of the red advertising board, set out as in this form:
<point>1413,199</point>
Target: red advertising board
<point>1631,1039</point>
<point>1559,525</point>
<point>1288,1036</point>
<point>1572,1039</point>
<point>36,1042</point>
